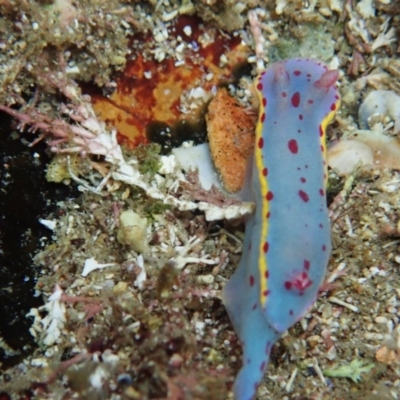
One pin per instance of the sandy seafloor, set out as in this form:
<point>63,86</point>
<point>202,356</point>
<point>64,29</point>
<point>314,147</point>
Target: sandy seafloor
<point>150,324</point>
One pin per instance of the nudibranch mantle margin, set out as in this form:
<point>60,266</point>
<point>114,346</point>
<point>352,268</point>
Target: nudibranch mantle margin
<point>287,240</point>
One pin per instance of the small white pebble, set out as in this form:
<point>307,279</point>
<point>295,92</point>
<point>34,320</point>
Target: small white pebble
<point>39,362</point>
<point>98,377</point>
<point>223,59</point>
<point>205,279</point>
<point>159,37</point>
<point>374,336</point>
<point>349,299</point>
<point>282,384</point>
<point>187,30</point>
<point>176,360</point>
<point>48,223</point>
<point>374,271</point>
<point>381,320</point>
<point>391,310</point>
<point>199,327</point>
<point>180,47</point>
<point>169,16</point>
<point>140,279</point>
<point>325,11</point>
<point>74,69</point>
<point>125,24</point>
<point>197,93</point>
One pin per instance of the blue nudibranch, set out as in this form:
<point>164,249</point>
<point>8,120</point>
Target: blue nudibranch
<point>287,241</point>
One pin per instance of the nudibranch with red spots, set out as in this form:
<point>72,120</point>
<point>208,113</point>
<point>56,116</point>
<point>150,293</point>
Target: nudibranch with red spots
<point>287,240</point>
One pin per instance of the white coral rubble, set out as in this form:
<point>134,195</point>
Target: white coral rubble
<point>50,327</point>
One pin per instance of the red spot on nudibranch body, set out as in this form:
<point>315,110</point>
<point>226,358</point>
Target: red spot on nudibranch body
<point>260,86</point>
<point>295,99</point>
<point>333,107</point>
<point>260,143</point>
<point>293,147</point>
<point>303,180</point>
<point>322,192</point>
<point>300,117</point>
<point>300,282</point>
<point>268,347</point>
<point>268,215</point>
<point>304,196</point>
<point>265,171</point>
<point>262,118</point>
<point>251,280</point>
<point>296,73</point>
<point>310,101</point>
<point>262,366</point>
<point>264,102</point>
<point>266,293</point>
<point>265,247</point>
<point>284,94</point>
<point>321,131</point>
<point>306,265</point>
<point>269,196</point>
<point>266,274</point>
<point>323,247</point>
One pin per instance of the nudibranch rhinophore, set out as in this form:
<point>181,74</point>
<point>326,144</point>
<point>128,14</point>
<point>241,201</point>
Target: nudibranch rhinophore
<point>287,240</point>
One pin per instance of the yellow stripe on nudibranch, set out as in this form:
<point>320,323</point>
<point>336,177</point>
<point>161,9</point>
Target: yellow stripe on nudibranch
<point>324,124</point>
<point>263,181</point>
<point>327,80</point>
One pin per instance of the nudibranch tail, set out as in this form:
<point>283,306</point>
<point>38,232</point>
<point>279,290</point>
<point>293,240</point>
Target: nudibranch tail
<point>254,331</point>
<point>257,346</point>
<point>287,241</point>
